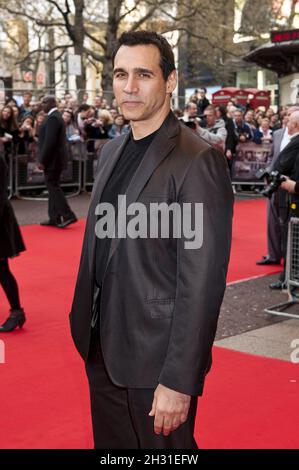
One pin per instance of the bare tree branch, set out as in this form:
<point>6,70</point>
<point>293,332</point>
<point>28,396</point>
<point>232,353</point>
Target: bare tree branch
<point>46,51</point>
<point>38,21</point>
<point>97,41</point>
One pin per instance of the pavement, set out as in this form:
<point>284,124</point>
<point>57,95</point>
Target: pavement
<point>243,324</point>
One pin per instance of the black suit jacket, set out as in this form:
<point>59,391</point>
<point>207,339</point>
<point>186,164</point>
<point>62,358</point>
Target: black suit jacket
<point>160,302</point>
<point>287,163</point>
<point>286,160</point>
<point>52,142</point>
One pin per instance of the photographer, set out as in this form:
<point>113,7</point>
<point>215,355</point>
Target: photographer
<point>242,129</point>
<point>214,132</point>
<point>190,112</point>
<point>202,101</point>
<point>94,127</point>
<point>90,127</point>
<point>287,164</point>
<point>281,139</point>
<point>26,135</point>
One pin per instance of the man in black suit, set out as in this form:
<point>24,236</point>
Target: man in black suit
<point>146,303</point>
<point>281,139</point>
<point>52,159</point>
<point>287,164</point>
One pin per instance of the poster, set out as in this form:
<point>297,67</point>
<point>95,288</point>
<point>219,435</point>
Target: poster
<point>249,159</point>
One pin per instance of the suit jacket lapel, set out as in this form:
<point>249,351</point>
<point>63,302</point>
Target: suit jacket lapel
<point>160,147</point>
<point>293,143</point>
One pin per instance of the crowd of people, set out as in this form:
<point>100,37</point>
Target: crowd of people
<point>95,119</point>
<point>19,125</point>
<point>225,126</point>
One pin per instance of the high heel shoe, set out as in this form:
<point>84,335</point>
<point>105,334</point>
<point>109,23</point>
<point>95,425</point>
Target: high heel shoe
<point>16,319</point>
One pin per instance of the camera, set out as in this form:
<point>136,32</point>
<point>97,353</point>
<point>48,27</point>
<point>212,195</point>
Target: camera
<point>201,119</point>
<point>274,180</point>
<point>191,124</point>
<point>192,120</point>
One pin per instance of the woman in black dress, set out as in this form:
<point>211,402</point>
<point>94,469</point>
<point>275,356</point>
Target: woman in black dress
<point>11,244</point>
<point>8,131</point>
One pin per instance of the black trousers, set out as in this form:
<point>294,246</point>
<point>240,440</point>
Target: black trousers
<point>57,204</point>
<point>120,416</point>
<point>274,233</point>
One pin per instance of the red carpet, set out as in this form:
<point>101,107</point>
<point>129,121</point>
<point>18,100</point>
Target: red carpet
<point>249,401</point>
<point>249,241</point>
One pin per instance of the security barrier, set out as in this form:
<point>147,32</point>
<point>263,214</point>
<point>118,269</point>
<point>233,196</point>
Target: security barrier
<point>10,176</point>
<point>92,153</point>
<point>27,181</point>
<point>30,180</point>
<point>292,275</point>
<point>249,158</point>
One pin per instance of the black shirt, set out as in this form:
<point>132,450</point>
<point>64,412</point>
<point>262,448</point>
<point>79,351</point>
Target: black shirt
<point>117,184</point>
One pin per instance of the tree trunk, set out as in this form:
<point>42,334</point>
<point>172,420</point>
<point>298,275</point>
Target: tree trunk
<point>81,79</point>
<point>114,7</point>
<point>51,63</point>
<point>78,46</point>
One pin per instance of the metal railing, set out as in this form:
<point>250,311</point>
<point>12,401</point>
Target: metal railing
<point>10,176</point>
<point>292,275</point>
<point>29,180</point>
<point>93,150</point>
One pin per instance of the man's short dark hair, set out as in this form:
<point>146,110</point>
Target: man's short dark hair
<point>83,107</point>
<point>137,38</point>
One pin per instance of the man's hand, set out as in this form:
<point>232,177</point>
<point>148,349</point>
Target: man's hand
<point>40,166</point>
<point>170,409</point>
<point>197,125</point>
<point>288,185</point>
<point>229,154</point>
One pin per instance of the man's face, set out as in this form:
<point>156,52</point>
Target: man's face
<point>292,126</point>
<point>249,116</point>
<point>210,118</point>
<point>113,113</point>
<point>192,110</point>
<point>84,115</point>
<point>139,87</point>
<point>97,102</point>
<point>290,111</point>
<point>238,117</point>
<point>47,104</point>
<point>27,99</point>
